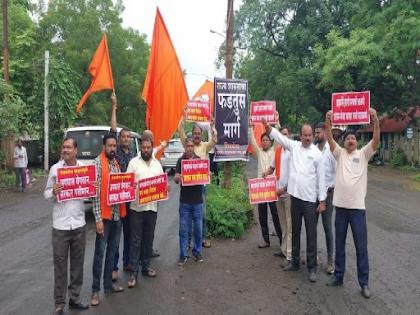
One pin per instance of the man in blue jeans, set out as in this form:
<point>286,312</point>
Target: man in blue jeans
<point>349,200</point>
<point>190,209</point>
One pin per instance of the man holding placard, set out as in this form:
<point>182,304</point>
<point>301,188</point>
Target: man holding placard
<point>108,221</point>
<point>349,199</point>
<point>143,217</point>
<point>307,189</point>
<point>68,233</point>
<point>190,209</point>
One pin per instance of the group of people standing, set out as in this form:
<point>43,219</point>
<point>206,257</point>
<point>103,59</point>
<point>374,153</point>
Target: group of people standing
<point>314,177</point>
<point>136,222</point>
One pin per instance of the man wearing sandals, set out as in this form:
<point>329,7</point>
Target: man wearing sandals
<point>108,221</point>
<point>143,217</point>
<point>202,150</point>
<point>307,189</point>
<point>68,234</point>
<point>190,209</point>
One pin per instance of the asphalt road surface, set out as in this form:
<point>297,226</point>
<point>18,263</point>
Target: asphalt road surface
<point>235,278</point>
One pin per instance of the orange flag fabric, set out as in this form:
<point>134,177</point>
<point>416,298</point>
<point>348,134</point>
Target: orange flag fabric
<point>204,92</point>
<point>164,88</point>
<point>101,72</point>
<point>259,129</point>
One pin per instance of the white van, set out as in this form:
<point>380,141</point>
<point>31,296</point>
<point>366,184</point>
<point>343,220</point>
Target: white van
<point>89,141</point>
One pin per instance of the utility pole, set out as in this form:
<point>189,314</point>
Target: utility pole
<point>227,166</point>
<point>46,114</point>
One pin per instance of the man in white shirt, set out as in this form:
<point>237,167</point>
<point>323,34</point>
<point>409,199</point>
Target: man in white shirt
<point>307,188</point>
<point>143,217</point>
<point>349,200</point>
<point>21,163</point>
<point>330,165</point>
<point>68,234</point>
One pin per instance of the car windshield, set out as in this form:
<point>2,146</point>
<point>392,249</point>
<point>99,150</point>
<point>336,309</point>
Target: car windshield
<point>89,142</point>
<point>175,145</point>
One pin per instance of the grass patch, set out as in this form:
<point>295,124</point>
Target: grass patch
<point>7,179</point>
<point>228,210</point>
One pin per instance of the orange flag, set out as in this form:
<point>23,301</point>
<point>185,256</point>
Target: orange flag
<point>101,72</point>
<point>206,92</point>
<point>164,88</point>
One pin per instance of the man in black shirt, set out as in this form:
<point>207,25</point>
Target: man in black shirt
<point>190,209</point>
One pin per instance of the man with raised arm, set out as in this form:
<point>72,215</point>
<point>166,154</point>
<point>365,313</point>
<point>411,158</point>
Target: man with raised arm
<point>307,189</point>
<point>349,200</point>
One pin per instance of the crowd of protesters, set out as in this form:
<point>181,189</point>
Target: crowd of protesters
<point>313,179</point>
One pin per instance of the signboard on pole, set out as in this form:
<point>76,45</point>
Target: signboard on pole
<point>78,182</point>
<point>195,172</point>
<point>263,110</point>
<point>350,108</point>
<point>262,190</point>
<point>231,119</point>
<point>153,189</point>
<point>121,188</point>
<point>198,111</point>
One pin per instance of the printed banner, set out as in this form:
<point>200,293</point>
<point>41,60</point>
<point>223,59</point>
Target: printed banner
<point>153,189</point>
<point>351,108</point>
<point>231,119</point>
<point>263,110</point>
<point>262,190</point>
<point>78,182</point>
<point>195,172</point>
<point>121,188</point>
<point>198,111</point>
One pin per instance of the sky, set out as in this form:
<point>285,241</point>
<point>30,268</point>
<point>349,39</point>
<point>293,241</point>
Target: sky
<point>189,23</point>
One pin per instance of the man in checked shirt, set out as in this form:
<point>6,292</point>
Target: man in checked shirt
<point>108,221</point>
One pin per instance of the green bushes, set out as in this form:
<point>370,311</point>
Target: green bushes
<point>398,159</point>
<point>228,210</point>
<point>7,179</point>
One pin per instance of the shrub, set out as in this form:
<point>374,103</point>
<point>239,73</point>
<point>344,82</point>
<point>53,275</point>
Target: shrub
<point>398,159</point>
<point>228,210</point>
<point>7,179</point>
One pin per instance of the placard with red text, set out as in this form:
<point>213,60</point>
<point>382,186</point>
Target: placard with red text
<point>263,110</point>
<point>195,172</point>
<point>78,182</point>
<point>350,108</point>
<point>153,189</point>
<point>198,111</point>
<point>121,188</point>
<point>262,190</point>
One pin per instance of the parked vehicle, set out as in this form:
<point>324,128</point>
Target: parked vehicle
<point>89,141</point>
<point>171,154</point>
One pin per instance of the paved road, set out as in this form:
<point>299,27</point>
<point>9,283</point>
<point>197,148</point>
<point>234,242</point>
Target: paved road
<point>236,277</point>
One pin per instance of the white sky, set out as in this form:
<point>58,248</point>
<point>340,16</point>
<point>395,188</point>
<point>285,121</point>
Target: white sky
<point>189,23</point>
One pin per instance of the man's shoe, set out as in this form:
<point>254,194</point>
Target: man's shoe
<point>279,254</point>
<point>290,267</point>
<point>312,276</point>
<point>330,269</point>
<point>77,305</point>
<point>334,282</point>
<point>59,310</point>
<point>365,292</point>
<point>182,261</point>
<point>94,300</point>
<point>114,275</point>
<point>206,243</point>
<point>198,258</point>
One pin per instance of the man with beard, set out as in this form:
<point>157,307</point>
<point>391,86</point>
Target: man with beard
<point>330,165</point>
<point>123,156</point>
<point>68,234</point>
<point>265,157</point>
<point>143,217</point>
<point>201,149</point>
<point>190,209</point>
<point>108,221</point>
<point>349,200</point>
<point>306,186</point>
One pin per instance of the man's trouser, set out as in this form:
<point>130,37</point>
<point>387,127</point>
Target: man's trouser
<point>67,242</point>
<point>285,216</point>
<point>327,224</point>
<point>263,218</point>
<point>357,220</point>
<point>126,242</point>
<point>20,177</point>
<point>307,210</point>
<point>142,228</point>
<point>105,245</point>
<point>187,213</point>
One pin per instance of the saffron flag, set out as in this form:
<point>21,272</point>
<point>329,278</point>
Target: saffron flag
<point>101,72</point>
<point>206,93</point>
<point>164,88</point>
